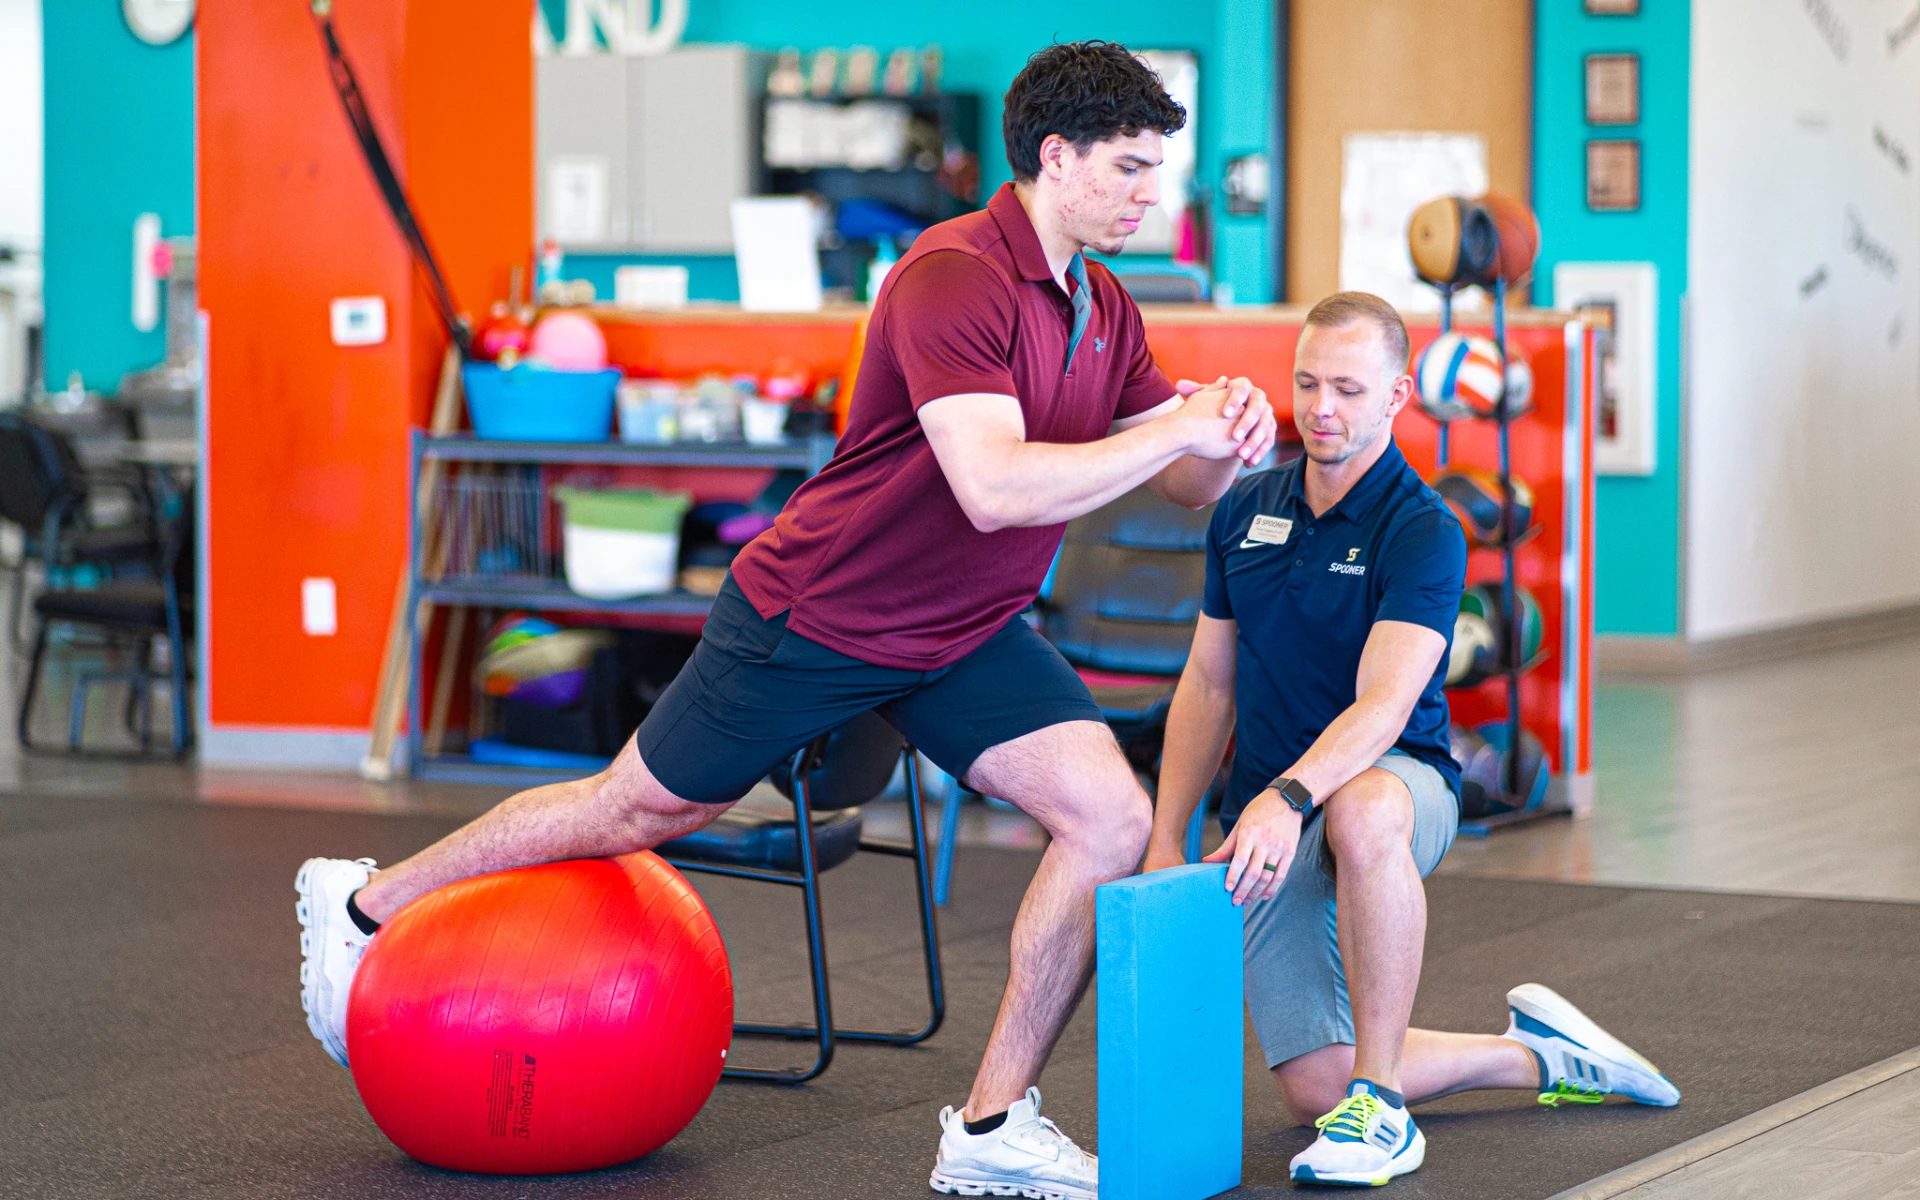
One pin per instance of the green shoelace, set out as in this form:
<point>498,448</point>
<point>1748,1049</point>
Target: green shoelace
<point>1572,1093</point>
<point>1350,1119</point>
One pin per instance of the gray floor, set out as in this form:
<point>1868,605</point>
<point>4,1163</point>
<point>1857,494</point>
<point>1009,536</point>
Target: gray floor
<point>1849,1137</point>
<point>152,1043</point>
<point>1792,778</point>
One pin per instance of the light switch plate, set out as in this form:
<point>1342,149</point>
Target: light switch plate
<point>359,321</point>
<point>319,614</point>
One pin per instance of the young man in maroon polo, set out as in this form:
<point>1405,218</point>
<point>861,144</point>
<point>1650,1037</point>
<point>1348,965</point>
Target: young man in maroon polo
<point>1007,388</point>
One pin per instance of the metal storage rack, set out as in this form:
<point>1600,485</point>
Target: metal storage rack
<point>426,585</point>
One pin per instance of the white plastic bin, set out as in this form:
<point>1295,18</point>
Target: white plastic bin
<point>621,542</point>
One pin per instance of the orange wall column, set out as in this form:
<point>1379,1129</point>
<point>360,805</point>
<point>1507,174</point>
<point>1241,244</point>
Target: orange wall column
<point>306,466</point>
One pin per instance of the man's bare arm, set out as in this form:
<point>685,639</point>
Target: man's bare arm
<point>1395,667</point>
<point>1197,482</point>
<point>1198,726</point>
<point>1003,481</point>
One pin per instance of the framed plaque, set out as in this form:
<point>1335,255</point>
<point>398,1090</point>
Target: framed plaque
<point>1613,89</point>
<point>1613,175</point>
<point>1613,8</point>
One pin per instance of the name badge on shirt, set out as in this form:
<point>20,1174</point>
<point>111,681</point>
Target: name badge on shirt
<point>1267,531</point>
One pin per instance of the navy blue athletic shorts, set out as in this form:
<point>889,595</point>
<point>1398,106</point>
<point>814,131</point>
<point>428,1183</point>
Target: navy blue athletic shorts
<point>754,692</point>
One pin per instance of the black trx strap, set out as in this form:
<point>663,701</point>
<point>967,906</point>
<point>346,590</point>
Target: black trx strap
<point>348,89</point>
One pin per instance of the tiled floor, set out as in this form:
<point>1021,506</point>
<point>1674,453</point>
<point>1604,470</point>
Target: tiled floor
<point>1864,1147</point>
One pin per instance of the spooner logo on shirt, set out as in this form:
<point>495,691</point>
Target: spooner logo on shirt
<point>1348,567</point>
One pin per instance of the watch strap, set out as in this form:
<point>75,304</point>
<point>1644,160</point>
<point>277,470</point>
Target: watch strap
<point>1294,793</point>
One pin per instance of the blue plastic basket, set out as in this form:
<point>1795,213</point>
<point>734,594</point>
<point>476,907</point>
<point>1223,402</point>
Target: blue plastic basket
<point>525,403</point>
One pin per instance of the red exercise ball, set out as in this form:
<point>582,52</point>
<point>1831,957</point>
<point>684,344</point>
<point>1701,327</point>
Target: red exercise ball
<point>555,1018</point>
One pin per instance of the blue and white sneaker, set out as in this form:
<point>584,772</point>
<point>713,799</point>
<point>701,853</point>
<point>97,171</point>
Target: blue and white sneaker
<point>1580,1062</point>
<point>1363,1143</point>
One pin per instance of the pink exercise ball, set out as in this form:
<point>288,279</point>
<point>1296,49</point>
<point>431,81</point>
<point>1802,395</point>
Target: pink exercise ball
<point>568,341</point>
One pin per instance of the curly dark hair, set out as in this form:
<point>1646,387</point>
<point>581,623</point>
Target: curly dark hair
<point>1086,92</point>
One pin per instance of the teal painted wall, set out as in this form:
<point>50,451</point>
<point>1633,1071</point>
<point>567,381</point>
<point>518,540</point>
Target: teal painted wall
<point>119,142</point>
<point>1637,536</point>
<point>986,48</point>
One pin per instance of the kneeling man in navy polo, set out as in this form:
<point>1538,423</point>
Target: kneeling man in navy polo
<point>1332,586</point>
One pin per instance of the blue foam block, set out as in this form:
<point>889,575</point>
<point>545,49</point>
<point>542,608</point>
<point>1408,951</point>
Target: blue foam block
<point>1170,1035</point>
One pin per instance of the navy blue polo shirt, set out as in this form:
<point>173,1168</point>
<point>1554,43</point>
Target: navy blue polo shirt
<point>1305,592</point>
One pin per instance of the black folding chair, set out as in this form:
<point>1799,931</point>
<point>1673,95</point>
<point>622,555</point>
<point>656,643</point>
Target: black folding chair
<point>44,490</point>
<point>135,611</point>
<point>827,781</point>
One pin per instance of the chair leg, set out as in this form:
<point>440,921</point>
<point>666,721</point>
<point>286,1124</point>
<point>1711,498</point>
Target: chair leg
<point>33,685</point>
<point>77,709</point>
<point>16,608</point>
<point>923,891</point>
<point>949,834</point>
<point>182,727</point>
<point>823,1031</point>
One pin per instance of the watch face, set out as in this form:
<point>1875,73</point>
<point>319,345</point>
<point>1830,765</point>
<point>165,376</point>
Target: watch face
<point>157,22</point>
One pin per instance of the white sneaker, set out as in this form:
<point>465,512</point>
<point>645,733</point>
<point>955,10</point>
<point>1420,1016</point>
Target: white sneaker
<point>1026,1156</point>
<point>1579,1061</point>
<point>1362,1143</point>
<point>330,945</point>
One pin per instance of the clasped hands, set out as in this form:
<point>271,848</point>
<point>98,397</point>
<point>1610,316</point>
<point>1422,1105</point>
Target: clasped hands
<point>1234,418</point>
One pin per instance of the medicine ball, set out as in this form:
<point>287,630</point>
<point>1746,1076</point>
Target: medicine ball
<point>1458,376</point>
<point>1474,654</point>
<point>555,1018</point>
<point>1452,240</point>
<point>1489,766</point>
<point>1481,602</point>
<point>1475,497</point>
<point>1519,387</point>
<point>1516,235</point>
<point>1464,744</point>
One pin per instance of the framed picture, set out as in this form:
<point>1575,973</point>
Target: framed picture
<point>1613,89</point>
<point>1613,175</point>
<point>1618,301</point>
<point>1613,8</point>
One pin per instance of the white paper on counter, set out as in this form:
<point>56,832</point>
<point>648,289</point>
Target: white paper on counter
<point>1383,178</point>
<point>775,251</point>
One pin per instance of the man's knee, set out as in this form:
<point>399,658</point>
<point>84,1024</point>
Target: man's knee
<point>1107,810</point>
<point>1370,819</point>
<point>1073,779</point>
<point>627,795</point>
<point>1313,1084</point>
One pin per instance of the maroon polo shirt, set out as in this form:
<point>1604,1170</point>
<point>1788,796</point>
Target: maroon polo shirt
<point>873,556</point>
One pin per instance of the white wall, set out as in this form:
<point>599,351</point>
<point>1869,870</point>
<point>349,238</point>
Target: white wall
<point>21,126</point>
<point>1803,416</point>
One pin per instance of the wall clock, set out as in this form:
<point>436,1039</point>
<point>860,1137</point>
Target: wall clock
<point>157,22</point>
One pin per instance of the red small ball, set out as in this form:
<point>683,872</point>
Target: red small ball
<point>555,1018</point>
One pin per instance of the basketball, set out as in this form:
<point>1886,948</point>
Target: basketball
<point>1516,236</point>
<point>555,1018</point>
<point>1452,241</point>
<point>1475,497</point>
<point>1458,375</point>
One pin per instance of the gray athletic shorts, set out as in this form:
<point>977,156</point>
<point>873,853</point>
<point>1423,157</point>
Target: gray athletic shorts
<point>1296,988</point>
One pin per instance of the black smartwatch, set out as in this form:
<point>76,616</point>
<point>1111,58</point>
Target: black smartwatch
<point>1295,793</point>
